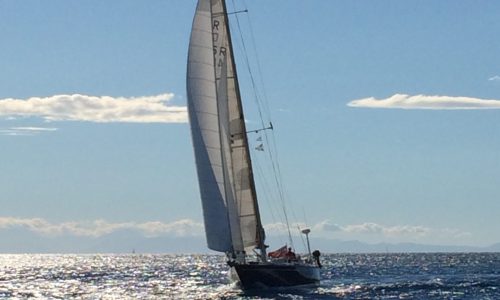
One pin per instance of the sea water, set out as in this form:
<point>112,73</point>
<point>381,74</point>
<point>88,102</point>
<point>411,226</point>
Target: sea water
<point>163,276</point>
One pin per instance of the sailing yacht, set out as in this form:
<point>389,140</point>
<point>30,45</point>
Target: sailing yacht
<point>227,187</point>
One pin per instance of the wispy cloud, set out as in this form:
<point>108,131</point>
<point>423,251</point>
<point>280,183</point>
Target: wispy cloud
<point>23,131</point>
<point>98,228</point>
<point>494,78</point>
<point>374,228</point>
<point>328,229</point>
<point>402,101</point>
<point>34,129</point>
<point>146,109</point>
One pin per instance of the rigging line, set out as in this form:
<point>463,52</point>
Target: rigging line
<point>279,183</point>
<point>302,237</point>
<point>259,69</point>
<point>300,230</point>
<point>306,224</point>
<point>272,201</point>
<point>260,104</point>
<point>254,130</point>
<point>265,102</point>
<point>264,177</point>
<point>268,193</point>
<point>305,217</point>
<point>237,12</point>
<point>247,61</point>
<point>278,169</point>
<point>274,207</point>
<point>274,163</point>
<point>261,77</point>
<point>264,187</point>
<point>249,69</point>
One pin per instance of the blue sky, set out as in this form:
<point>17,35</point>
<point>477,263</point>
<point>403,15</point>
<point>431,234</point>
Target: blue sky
<point>385,112</point>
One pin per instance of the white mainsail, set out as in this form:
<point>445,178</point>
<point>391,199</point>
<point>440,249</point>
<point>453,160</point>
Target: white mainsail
<point>230,209</point>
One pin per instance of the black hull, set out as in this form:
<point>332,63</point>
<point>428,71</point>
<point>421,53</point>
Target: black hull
<point>253,276</point>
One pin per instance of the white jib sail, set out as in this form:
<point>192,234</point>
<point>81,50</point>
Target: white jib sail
<point>223,163</point>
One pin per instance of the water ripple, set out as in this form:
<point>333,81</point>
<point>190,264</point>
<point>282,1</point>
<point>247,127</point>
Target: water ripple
<point>345,276</point>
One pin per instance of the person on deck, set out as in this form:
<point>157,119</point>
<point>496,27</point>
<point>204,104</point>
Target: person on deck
<point>290,255</point>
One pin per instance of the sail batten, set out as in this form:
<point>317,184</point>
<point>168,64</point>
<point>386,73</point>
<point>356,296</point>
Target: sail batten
<point>230,209</point>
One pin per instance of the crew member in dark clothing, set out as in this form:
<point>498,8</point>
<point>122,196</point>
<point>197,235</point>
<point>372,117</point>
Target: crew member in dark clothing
<point>290,255</point>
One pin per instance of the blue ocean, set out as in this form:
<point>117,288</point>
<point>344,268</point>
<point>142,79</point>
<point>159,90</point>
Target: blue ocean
<point>164,276</point>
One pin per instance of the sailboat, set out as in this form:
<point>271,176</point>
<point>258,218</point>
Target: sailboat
<point>227,187</point>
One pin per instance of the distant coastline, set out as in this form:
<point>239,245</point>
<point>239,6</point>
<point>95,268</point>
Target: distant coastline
<point>126,242</point>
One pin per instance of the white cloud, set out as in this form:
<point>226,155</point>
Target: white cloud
<point>398,230</point>
<point>367,228</point>
<point>146,109</point>
<point>372,228</point>
<point>494,78</point>
<point>20,131</point>
<point>98,228</point>
<point>374,232</point>
<point>402,101</point>
<point>327,226</point>
<point>369,231</point>
<point>280,228</point>
<point>184,227</point>
<point>34,128</point>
